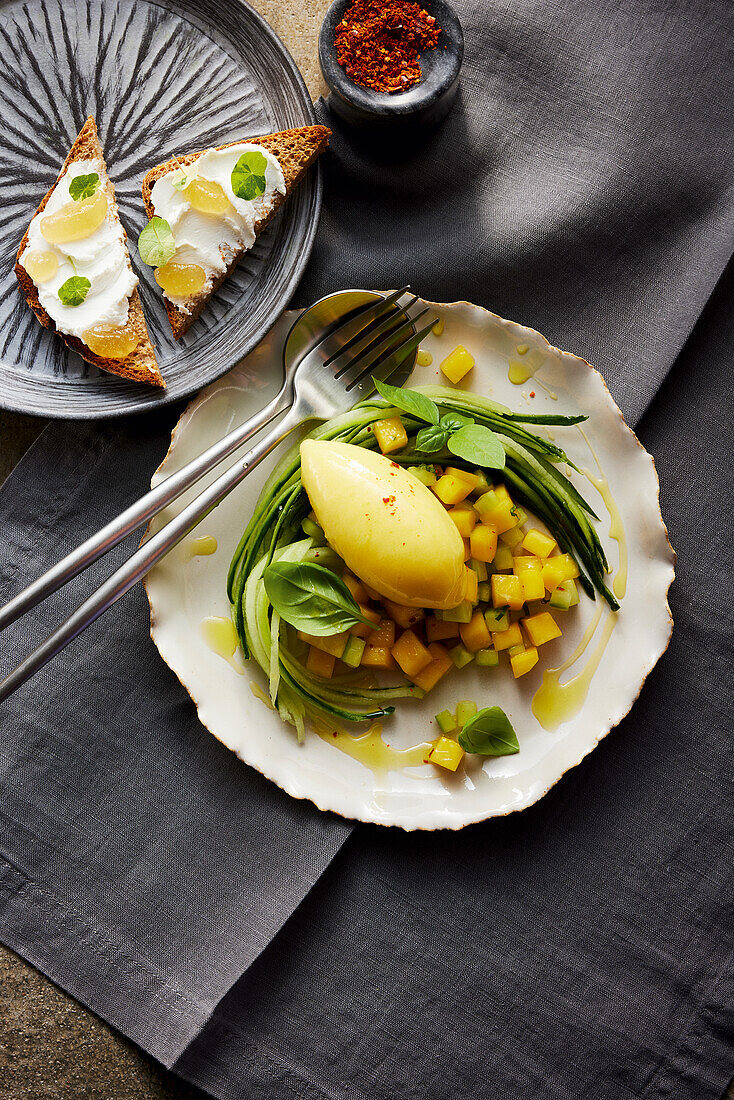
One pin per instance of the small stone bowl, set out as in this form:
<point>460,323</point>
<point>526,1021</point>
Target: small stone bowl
<point>422,105</point>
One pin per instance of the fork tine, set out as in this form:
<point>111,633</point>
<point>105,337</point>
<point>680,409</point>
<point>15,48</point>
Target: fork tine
<point>384,368</point>
<point>344,331</point>
<point>364,362</point>
<point>374,334</point>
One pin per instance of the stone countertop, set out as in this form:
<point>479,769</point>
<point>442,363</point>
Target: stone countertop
<point>50,1047</point>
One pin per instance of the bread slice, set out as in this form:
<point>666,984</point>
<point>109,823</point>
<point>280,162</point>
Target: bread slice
<point>296,150</point>
<point>141,365</point>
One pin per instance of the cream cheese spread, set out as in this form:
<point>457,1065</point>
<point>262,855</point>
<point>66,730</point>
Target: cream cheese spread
<point>101,257</point>
<point>209,241</point>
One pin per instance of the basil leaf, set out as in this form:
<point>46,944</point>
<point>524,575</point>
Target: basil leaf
<point>479,445</point>
<point>311,598</point>
<point>408,401</point>
<point>452,421</point>
<point>83,187</point>
<point>248,175</point>
<point>431,439</point>
<point>156,244</point>
<point>489,733</point>
<point>74,290</point>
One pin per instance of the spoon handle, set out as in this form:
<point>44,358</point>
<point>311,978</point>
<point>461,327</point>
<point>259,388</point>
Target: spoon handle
<point>97,545</point>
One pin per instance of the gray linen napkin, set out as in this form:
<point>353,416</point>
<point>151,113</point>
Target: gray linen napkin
<point>582,184</point>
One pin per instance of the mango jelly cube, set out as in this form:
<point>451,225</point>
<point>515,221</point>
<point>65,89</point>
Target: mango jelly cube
<point>390,434</point>
<point>320,663</point>
<point>537,543</point>
<point>457,363</point>
<point>411,654</point>
<point>471,591</point>
<point>436,670</point>
<point>463,475</point>
<point>483,542</point>
<point>403,616</point>
<point>465,518</point>
<point>523,662</point>
<point>505,639</point>
<point>475,634</point>
<point>507,591</point>
<point>501,516</point>
<point>559,569</point>
<point>447,753</point>
<point>440,630</point>
<point>335,644</point>
<point>450,489</point>
<point>541,628</point>
<point>384,635</point>
<point>376,656</point>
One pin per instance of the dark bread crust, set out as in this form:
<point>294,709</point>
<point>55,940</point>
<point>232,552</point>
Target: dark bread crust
<point>141,365</point>
<point>296,150</point>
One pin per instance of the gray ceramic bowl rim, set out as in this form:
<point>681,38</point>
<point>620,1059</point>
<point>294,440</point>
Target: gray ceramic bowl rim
<point>385,104</point>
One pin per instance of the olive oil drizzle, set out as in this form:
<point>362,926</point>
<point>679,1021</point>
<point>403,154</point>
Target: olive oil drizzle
<point>370,750</point>
<point>221,637</point>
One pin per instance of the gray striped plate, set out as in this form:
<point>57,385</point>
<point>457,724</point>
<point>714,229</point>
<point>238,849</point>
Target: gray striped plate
<point>160,78</point>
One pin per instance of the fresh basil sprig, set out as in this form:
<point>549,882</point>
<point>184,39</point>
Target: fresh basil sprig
<point>479,445</point>
<point>83,187</point>
<point>248,175</point>
<point>311,598</point>
<point>489,733</point>
<point>156,243</point>
<point>74,290</point>
<point>437,436</point>
<point>408,401</point>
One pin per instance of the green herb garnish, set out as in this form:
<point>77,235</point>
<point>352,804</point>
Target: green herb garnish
<point>437,436</point>
<point>479,445</point>
<point>74,290</point>
<point>156,243</point>
<point>489,733</point>
<point>409,401</point>
<point>181,182</point>
<point>248,175</point>
<point>83,187</point>
<point>311,598</point>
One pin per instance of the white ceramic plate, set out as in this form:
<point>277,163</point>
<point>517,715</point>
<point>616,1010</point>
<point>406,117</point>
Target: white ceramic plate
<point>184,590</point>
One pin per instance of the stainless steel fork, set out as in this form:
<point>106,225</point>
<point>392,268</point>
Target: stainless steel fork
<point>334,374</point>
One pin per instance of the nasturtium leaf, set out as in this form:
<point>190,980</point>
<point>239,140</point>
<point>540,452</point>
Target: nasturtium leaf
<point>248,175</point>
<point>156,243</point>
<point>489,733</point>
<point>83,187</point>
<point>74,290</point>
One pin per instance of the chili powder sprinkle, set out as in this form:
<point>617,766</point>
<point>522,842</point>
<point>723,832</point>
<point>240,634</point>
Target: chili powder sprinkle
<point>379,42</point>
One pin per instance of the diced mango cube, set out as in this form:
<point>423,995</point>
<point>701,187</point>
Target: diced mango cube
<point>541,628</point>
<point>471,591</point>
<point>523,662</point>
<point>361,630</point>
<point>440,664</point>
<point>403,616</point>
<point>457,363</point>
<point>507,591</point>
<point>440,630</point>
<point>376,656</point>
<point>475,634</point>
<point>356,587</point>
<point>411,654</point>
<point>530,571</point>
<point>384,635</point>
<point>465,518</point>
<point>506,639</point>
<point>483,542</point>
<point>450,489</point>
<point>535,542</point>
<point>320,663</point>
<point>390,434</point>
<point>334,644</point>
<point>559,569</point>
<point>499,513</point>
<point>447,753</point>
